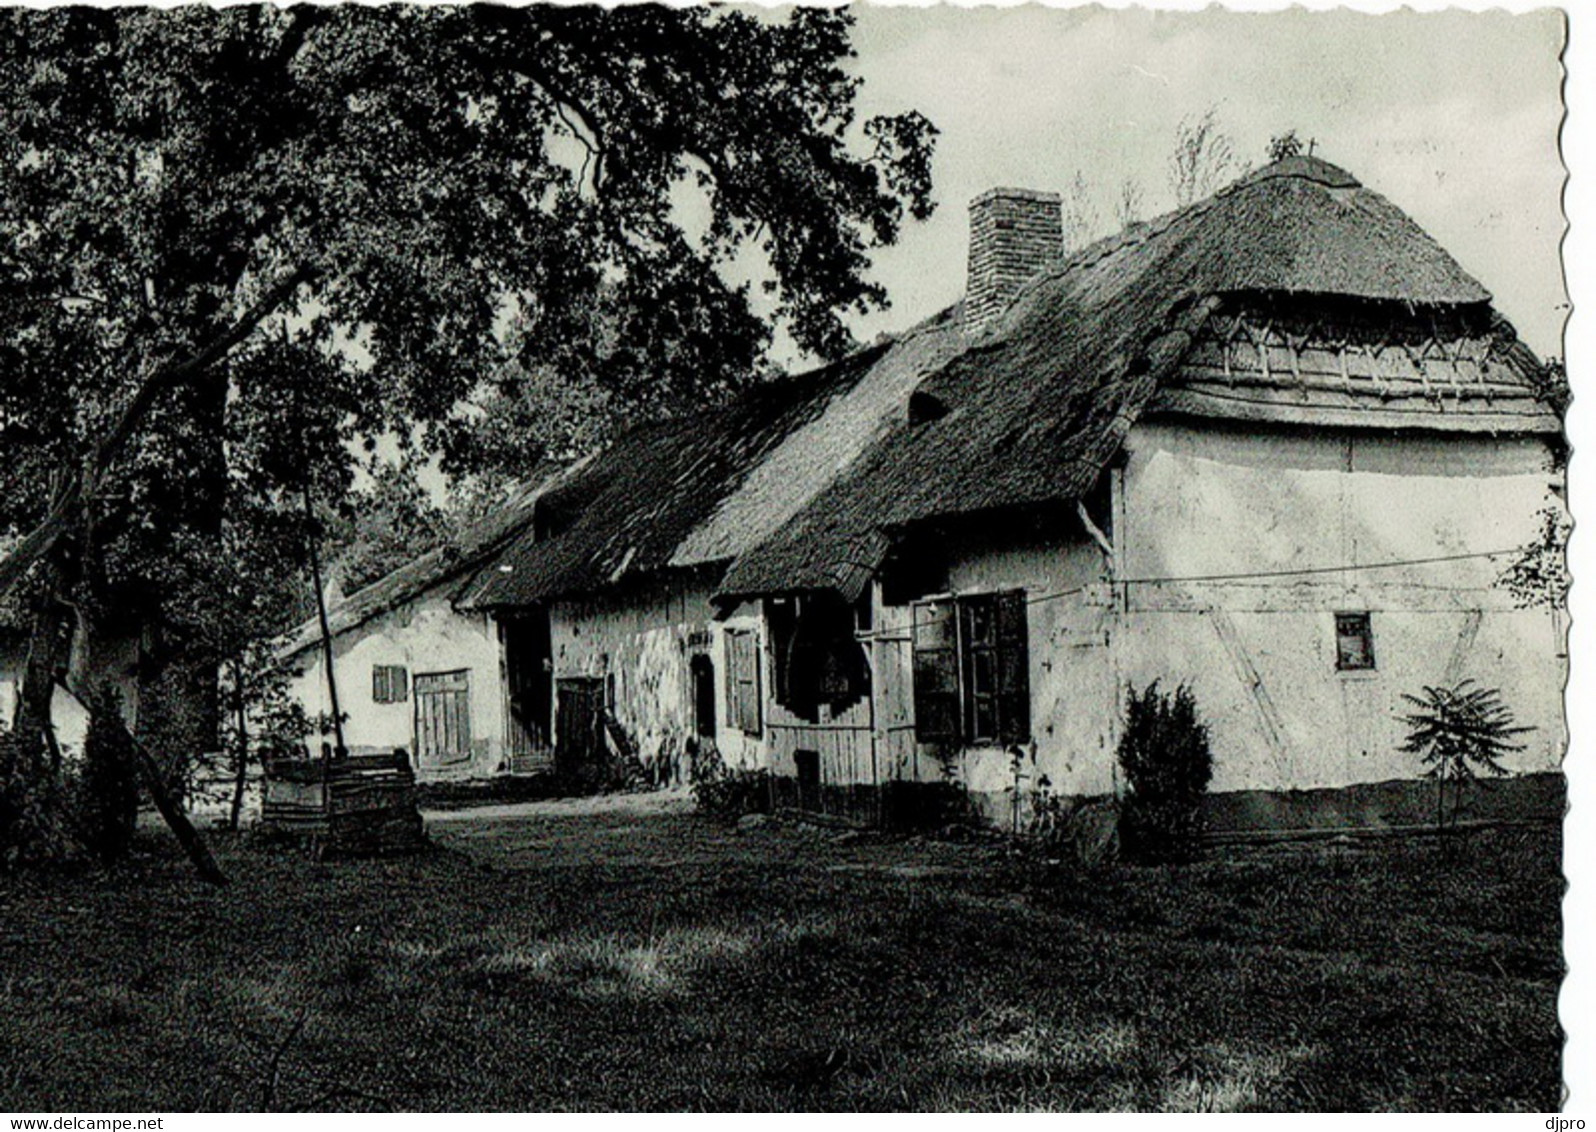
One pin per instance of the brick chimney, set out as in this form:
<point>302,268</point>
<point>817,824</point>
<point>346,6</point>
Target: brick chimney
<point>1014,233</point>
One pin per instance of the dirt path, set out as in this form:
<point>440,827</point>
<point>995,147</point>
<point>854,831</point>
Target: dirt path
<point>654,802</point>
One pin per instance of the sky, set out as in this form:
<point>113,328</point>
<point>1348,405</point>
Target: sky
<point>1453,116</point>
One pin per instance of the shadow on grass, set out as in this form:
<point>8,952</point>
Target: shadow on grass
<point>759,975</point>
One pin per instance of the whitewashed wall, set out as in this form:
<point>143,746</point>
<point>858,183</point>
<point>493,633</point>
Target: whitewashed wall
<point>642,642</point>
<point>116,658</point>
<point>1260,653</point>
<point>425,635</point>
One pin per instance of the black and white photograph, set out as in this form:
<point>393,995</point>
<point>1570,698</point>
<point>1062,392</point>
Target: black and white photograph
<point>709,558</point>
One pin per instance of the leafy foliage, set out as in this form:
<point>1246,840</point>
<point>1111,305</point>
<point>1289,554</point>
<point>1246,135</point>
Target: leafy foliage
<point>243,247</point>
<point>1165,755</point>
<point>37,811</point>
<point>382,524</point>
<point>1538,576</point>
<point>1285,145</point>
<point>416,167</point>
<point>1459,733</point>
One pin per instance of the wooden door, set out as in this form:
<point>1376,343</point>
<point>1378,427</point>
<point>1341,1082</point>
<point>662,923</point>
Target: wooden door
<point>579,727</point>
<point>528,692</point>
<point>443,718</point>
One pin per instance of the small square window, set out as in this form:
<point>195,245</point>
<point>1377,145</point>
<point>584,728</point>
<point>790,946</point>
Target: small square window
<point>390,684</point>
<point>1354,642</point>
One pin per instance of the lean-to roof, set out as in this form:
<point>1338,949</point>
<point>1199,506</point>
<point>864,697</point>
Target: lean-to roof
<point>446,564</point>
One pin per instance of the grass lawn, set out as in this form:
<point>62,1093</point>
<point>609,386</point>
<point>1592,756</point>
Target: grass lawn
<point>652,960</point>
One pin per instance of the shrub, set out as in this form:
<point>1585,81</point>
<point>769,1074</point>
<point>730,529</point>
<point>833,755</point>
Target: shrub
<point>724,792</point>
<point>37,820</point>
<point>1457,733</point>
<point>1167,761</point>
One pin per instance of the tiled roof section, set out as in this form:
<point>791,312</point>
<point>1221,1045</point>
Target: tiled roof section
<point>1034,412</point>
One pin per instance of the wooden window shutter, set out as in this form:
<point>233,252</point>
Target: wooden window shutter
<point>936,672</point>
<point>389,684</point>
<point>1014,669</point>
<point>742,680</point>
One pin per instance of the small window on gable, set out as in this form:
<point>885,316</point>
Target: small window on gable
<point>1354,642</point>
<point>390,684</point>
<point>925,408</point>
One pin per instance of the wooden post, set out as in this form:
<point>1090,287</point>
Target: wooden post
<point>171,810</point>
<point>241,770</point>
<point>326,631</point>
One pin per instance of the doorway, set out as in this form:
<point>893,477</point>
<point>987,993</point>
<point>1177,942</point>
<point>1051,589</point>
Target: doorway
<point>529,690</point>
<point>703,676</point>
<point>579,752</point>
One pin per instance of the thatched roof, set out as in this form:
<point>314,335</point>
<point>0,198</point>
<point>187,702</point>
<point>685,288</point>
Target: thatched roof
<point>1032,413</point>
<point>804,483</point>
<point>632,509</point>
<point>452,562</point>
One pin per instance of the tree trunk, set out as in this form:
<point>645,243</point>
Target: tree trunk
<point>49,635</point>
<point>180,703</point>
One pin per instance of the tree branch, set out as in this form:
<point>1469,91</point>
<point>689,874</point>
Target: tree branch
<point>39,542</point>
<point>171,376</point>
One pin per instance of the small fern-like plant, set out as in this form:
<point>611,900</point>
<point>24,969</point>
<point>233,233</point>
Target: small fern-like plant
<point>1459,734</point>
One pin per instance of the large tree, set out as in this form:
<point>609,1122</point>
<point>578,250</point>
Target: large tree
<point>236,244</point>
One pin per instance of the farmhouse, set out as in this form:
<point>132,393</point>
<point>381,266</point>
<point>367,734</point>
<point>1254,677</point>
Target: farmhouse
<point>1276,445</point>
<point>610,592</point>
<point>1270,445</point>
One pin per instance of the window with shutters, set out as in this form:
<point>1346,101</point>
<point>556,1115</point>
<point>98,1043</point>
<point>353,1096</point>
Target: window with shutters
<point>972,670</point>
<point>742,681</point>
<point>390,684</point>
